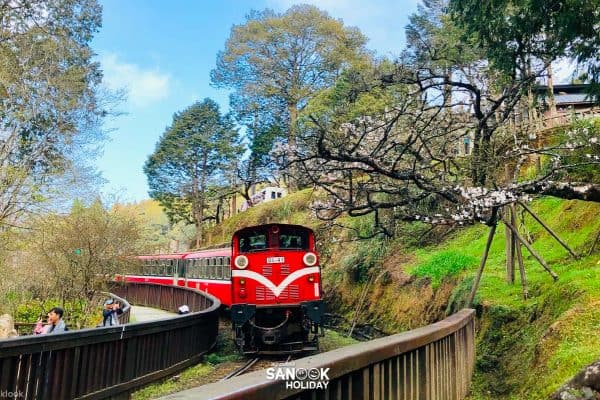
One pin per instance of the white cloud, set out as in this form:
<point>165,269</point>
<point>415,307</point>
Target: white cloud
<point>382,21</point>
<point>143,86</point>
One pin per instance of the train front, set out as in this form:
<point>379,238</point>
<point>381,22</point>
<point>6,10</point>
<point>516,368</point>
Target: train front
<point>276,289</point>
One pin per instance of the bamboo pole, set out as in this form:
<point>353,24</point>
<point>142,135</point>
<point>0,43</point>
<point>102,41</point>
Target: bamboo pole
<point>510,260</point>
<point>531,250</point>
<point>513,211</point>
<point>481,265</point>
<point>550,231</point>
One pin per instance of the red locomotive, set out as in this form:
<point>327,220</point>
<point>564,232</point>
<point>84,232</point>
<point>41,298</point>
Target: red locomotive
<point>269,279</point>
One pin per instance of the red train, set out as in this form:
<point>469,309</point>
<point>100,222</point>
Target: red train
<point>269,279</point>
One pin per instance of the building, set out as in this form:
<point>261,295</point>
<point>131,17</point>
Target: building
<point>263,195</point>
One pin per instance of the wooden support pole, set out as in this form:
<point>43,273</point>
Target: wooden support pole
<point>522,271</point>
<point>510,256</point>
<point>519,254</point>
<point>550,231</point>
<point>531,250</point>
<point>481,265</point>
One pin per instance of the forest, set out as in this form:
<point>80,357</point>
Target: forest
<point>463,125</point>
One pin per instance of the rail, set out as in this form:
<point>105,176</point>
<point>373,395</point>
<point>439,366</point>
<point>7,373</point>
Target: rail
<point>110,362</point>
<point>430,363</point>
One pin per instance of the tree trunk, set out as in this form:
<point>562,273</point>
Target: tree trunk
<point>291,181</point>
<point>551,100</point>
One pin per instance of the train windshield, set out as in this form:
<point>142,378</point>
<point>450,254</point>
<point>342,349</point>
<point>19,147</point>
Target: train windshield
<point>293,238</point>
<point>253,240</point>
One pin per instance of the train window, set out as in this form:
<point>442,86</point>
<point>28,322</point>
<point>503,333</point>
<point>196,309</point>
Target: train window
<point>293,238</point>
<point>228,261</point>
<point>169,270</point>
<point>220,272</point>
<point>253,240</point>
<point>227,274</point>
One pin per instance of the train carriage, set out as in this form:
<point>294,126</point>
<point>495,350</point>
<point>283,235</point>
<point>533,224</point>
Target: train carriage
<point>269,279</point>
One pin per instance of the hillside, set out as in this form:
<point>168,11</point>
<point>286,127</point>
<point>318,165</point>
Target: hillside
<point>526,348</point>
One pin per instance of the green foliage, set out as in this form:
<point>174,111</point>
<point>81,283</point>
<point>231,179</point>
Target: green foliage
<point>514,32</point>
<point>584,135</point>
<point>52,106</point>
<point>275,63</point>
<point>105,240</point>
<point>460,295</point>
<point>78,313</point>
<point>191,161</point>
<point>367,255</point>
<point>444,264</point>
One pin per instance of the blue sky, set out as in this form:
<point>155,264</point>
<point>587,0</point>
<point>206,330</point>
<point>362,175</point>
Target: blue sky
<point>162,52</point>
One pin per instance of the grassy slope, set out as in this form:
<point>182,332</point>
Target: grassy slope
<point>526,349</point>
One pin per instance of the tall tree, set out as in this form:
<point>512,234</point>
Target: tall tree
<point>50,100</point>
<point>76,252</point>
<point>386,142</point>
<point>284,59</point>
<point>190,160</point>
<point>515,31</point>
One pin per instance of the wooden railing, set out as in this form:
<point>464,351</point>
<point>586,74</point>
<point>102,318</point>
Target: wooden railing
<point>430,363</point>
<point>111,361</point>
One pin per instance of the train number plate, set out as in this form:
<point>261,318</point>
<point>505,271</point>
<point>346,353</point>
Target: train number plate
<point>274,260</point>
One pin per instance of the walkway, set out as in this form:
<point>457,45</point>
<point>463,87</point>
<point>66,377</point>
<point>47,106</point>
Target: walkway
<point>144,314</point>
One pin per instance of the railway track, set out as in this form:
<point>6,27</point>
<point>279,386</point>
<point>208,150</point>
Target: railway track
<point>256,362</point>
<point>242,369</point>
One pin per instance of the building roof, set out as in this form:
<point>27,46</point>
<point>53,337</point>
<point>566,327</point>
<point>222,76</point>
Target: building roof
<point>562,99</point>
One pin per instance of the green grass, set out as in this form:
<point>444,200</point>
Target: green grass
<point>187,378</point>
<point>334,340</point>
<point>444,264</point>
<point>528,348</point>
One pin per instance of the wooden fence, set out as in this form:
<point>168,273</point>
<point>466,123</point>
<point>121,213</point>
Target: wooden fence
<point>430,363</point>
<point>109,362</point>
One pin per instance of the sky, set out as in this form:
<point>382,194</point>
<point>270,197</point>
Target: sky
<point>161,53</point>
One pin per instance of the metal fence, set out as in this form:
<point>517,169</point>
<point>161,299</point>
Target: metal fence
<point>111,361</point>
<point>430,363</point>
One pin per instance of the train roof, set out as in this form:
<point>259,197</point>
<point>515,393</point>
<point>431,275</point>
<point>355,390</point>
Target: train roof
<point>271,225</point>
<point>162,256</point>
<point>224,251</point>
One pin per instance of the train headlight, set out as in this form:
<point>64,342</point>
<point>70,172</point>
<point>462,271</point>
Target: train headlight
<point>241,262</point>
<point>242,293</point>
<point>309,259</point>
<point>242,281</point>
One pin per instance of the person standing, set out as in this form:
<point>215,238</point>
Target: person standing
<point>55,323</point>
